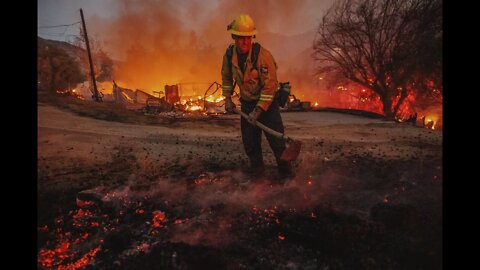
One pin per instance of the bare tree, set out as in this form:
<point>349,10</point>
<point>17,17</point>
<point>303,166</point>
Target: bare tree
<point>56,70</point>
<point>389,46</point>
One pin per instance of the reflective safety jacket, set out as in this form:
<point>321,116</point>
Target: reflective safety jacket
<point>258,83</point>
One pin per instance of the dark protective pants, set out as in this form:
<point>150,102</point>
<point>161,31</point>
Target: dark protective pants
<point>252,135</point>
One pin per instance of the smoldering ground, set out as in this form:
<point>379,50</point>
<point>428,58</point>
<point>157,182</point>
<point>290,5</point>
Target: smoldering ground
<point>366,194</point>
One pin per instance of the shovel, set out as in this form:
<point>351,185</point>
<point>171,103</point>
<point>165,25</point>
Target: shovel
<point>292,150</point>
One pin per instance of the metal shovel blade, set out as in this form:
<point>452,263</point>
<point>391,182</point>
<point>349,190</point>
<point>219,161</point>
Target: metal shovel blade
<point>292,151</point>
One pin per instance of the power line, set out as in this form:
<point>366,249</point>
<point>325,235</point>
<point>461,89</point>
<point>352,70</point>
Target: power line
<point>49,34</point>
<point>58,34</point>
<point>56,26</point>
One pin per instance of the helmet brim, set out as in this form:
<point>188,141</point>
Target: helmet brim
<point>243,34</point>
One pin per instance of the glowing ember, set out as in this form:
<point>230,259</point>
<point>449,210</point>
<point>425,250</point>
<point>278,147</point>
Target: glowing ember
<point>62,253</point>
<point>54,257</point>
<point>281,237</point>
<point>79,218</point>
<point>143,247</point>
<point>385,199</point>
<point>179,221</point>
<point>85,260</point>
<point>81,203</point>
<point>158,219</point>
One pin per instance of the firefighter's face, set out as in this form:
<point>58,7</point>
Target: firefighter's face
<point>244,44</point>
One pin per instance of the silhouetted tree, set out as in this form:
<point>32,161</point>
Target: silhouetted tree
<point>56,70</point>
<point>104,66</point>
<point>389,46</point>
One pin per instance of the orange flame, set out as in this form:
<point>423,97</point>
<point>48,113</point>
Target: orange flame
<point>194,108</point>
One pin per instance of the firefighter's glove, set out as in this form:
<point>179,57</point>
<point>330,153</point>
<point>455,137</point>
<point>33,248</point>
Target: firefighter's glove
<point>229,105</point>
<point>254,115</point>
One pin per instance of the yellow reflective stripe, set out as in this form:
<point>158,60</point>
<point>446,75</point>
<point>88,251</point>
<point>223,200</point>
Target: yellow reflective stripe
<point>264,97</point>
<point>227,90</point>
<point>264,105</point>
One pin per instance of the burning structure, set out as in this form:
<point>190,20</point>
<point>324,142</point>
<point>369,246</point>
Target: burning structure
<point>139,99</point>
<point>171,100</point>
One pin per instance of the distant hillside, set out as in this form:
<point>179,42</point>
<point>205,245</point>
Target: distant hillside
<point>76,53</point>
<point>61,64</point>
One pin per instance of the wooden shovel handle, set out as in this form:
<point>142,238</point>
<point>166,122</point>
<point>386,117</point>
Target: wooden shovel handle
<point>265,128</point>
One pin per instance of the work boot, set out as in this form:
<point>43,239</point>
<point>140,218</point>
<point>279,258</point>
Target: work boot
<point>285,169</point>
<point>284,166</point>
<point>257,171</point>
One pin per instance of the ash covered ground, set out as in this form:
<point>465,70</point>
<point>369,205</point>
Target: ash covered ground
<point>175,195</point>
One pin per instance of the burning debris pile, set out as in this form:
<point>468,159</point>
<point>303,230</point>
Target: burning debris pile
<point>70,92</point>
<point>171,104</point>
<point>170,100</point>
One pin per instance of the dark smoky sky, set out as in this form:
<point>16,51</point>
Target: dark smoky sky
<point>280,16</point>
<point>179,41</point>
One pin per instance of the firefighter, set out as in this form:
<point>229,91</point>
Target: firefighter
<point>254,70</point>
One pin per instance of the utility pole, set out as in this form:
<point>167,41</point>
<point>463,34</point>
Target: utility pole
<point>96,96</point>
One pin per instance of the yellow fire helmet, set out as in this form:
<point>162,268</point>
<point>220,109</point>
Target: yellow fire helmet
<point>242,26</point>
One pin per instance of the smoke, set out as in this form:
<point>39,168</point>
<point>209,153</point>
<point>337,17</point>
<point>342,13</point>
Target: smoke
<point>209,208</point>
<point>210,204</point>
<point>170,42</point>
